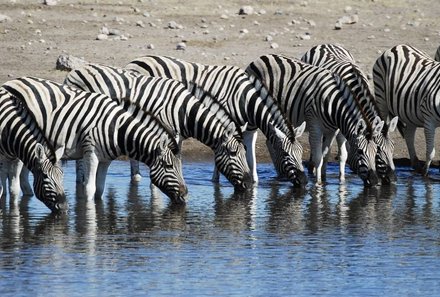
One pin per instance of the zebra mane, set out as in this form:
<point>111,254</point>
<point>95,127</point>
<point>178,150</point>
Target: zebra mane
<point>343,85</point>
<point>221,112</point>
<point>250,71</point>
<point>48,146</point>
<point>139,110</point>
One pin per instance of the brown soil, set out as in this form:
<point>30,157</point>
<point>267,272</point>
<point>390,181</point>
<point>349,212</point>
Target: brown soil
<point>37,34</point>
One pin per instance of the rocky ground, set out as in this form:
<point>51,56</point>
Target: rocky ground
<point>34,33</point>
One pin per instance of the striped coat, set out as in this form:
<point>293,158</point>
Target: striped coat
<point>247,104</point>
<point>94,127</point>
<point>307,92</point>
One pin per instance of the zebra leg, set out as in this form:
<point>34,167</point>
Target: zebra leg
<point>343,155</point>
<point>409,134</point>
<point>4,168</point>
<point>14,177</point>
<point>134,170</point>
<point>215,175</point>
<point>315,140</point>
<point>249,140</point>
<point>91,164</point>
<point>79,166</point>
<point>26,188</point>
<point>100,179</point>
<point>326,148</point>
<point>429,129</point>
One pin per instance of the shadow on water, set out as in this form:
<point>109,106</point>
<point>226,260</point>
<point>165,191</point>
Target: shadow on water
<point>258,230</point>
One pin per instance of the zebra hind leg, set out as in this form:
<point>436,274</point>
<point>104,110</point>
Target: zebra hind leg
<point>429,130</point>
<point>134,171</point>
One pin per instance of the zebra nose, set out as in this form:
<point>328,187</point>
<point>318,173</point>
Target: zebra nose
<point>371,179</point>
<point>300,180</point>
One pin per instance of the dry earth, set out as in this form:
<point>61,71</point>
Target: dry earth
<point>33,35</point>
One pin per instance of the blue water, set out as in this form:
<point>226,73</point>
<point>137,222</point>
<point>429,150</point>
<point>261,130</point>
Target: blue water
<point>330,240</point>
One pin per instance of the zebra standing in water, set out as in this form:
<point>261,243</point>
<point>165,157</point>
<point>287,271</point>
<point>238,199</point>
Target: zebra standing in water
<point>322,98</point>
<point>94,127</point>
<point>21,139</point>
<point>407,85</point>
<point>230,87</point>
<point>171,102</point>
<point>337,59</point>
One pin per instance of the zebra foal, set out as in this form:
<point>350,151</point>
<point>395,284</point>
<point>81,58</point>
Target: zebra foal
<point>339,60</point>
<point>407,85</point>
<point>94,127</point>
<point>23,143</point>
<point>324,101</point>
<point>171,102</point>
<point>230,87</point>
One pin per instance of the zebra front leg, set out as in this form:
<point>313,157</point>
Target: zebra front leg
<point>79,168</point>
<point>134,171</point>
<point>26,188</point>
<point>14,177</point>
<point>429,129</point>
<point>215,175</point>
<point>326,149</point>
<point>4,168</point>
<point>343,155</point>
<point>100,178</point>
<point>249,140</point>
<point>409,134</point>
<point>91,164</point>
<point>315,140</point>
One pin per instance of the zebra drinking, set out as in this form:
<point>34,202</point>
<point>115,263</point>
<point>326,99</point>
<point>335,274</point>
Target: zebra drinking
<point>171,102</point>
<point>230,87</point>
<point>94,127</point>
<point>406,84</point>
<point>339,60</point>
<point>21,139</point>
<point>322,98</point>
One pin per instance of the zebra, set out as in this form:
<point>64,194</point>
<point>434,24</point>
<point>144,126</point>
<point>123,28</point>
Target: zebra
<point>437,54</point>
<point>339,60</point>
<point>323,99</point>
<point>22,143</point>
<point>171,102</point>
<point>407,85</point>
<point>94,127</point>
<point>248,106</point>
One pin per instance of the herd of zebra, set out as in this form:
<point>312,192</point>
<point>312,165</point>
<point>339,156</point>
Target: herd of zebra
<point>145,110</point>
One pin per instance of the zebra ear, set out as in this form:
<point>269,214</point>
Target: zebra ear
<point>244,127</point>
<point>229,131</point>
<point>393,124</point>
<point>378,128</point>
<point>163,141</point>
<point>300,130</point>
<point>39,151</point>
<point>360,127</point>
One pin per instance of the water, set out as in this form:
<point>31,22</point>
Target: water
<point>331,240</point>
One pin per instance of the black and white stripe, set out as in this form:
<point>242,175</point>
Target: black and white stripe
<point>230,87</point>
<point>339,60</point>
<point>407,85</point>
<point>94,127</point>
<point>21,139</point>
<point>322,98</point>
<point>172,103</point>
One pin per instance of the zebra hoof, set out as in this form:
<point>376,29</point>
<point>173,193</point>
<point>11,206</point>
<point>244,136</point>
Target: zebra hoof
<point>136,178</point>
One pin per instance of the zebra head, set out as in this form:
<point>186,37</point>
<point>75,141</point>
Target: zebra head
<point>48,182</point>
<point>286,153</point>
<point>362,153</point>
<point>166,170</point>
<point>385,149</point>
<point>230,159</point>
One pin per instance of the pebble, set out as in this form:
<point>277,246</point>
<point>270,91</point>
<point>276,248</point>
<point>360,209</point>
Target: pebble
<point>150,46</point>
<point>224,17</point>
<point>140,24</point>
<point>174,25</point>
<point>244,31</point>
<point>4,18</point>
<point>181,46</point>
<point>68,62</point>
<point>114,32</point>
<point>246,10</point>
<point>50,2</point>
<point>268,38</point>
<point>102,37</point>
<point>274,45</point>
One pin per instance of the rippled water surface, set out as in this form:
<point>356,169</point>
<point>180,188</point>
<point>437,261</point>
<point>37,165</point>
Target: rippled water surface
<point>335,239</point>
